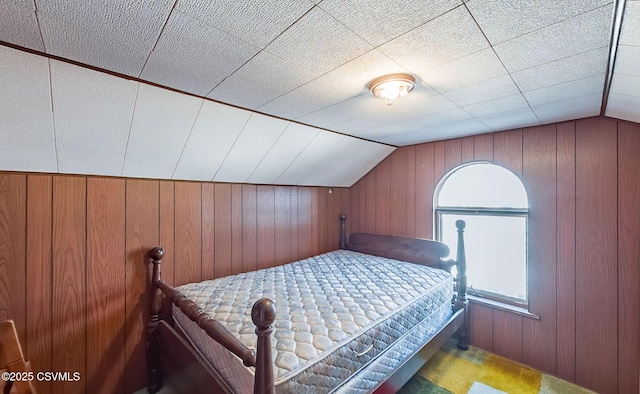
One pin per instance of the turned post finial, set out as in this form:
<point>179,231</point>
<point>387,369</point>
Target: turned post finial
<point>343,231</point>
<point>460,224</point>
<point>157,253</point>
<point>263,313</point>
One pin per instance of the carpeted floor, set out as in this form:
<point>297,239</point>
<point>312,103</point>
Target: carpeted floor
<point>476,371</point>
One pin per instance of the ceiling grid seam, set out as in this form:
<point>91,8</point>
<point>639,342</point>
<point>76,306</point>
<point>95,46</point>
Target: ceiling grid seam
<point>153,48</point>
<point>616,27</point>
<point>135,103</point>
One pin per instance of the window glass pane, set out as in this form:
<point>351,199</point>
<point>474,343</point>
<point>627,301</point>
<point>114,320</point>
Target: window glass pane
<point>495,247</point>
<point>482,185</point>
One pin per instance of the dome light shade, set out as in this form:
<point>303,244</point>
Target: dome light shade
<point>390,87</point>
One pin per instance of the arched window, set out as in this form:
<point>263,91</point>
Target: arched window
<point>493,202</point>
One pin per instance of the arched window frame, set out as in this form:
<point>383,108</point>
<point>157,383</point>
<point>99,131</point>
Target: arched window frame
<point>440,211</point>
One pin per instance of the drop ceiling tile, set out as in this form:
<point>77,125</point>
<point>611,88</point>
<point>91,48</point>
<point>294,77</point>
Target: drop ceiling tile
<point>15,159</point>
<point>510,120</point>
<point>564,70</point>
<point>628,85</point>
<point>92,94</point>
<point>414,105</point>
<point>317,149</point>
<point>24,79</point>
<point>500,23</point>
<point>478,67</point>
<point>236,175</point>
<point>327,44</point>
<point>158,108</point>
<point>325,117</point>
<point>576,108</point>
<point>193,56</point>
<point>115,35</point>
<point>483,91</point>
<point>499,105</point>
<point>22,127</point>
<point>91,137</point>
<point>187,172</point>
<point>258,23</point>
<point>357,165</point>
<point>258,136</point>
<point>353,127</point>
<point>568,38</point>
<point>289,145</point>
<point>463,128</point>
<point>215,131</point>
<point>150,144</point>
<point>147,169</point>
<point>262,79</point>
<point>565,91</point>
<point>333,159</point>
<point>624,107</point>
<point>441,40</point>
<point>628,59</point>
<point>19,25</point>
<point>379,21</point>
<point>410,137</point>
<point>630,32</point>
<point>70,163</point>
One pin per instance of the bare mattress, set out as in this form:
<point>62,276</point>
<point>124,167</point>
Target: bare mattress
<point>344,319</point>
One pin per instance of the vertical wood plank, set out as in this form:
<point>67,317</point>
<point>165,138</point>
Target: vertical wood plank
<point>438,161</point>
<point>383,197</point>
<point>566,243</point>
<point>333,206</point>
<point>507,150</point>
<point>13,213</point>
<point>208,235</point>
<point>357,211</point>
<point>324,198</point>
<point>69,280</point>
<point>507,335</point>
<point>539,177</point>
<point>282,225</point>
<point>362,203</point>
<point>466,149</point>
<point>265,222</point>
<point>249,228</point>
<point>39,271</point>
<point>315,220</point>
<point>142,234</point>
<point>293,193</point>
<point>482,326</point>
<point>188,232</point>
<point>222,231</point>
<point>345,207</point>
<point>167,229</point>
<point>425,184</point>
<point>370,203</point>
<point>596,255</point>
<point>305,246</point>
<point>411,191</point>
<point>398,198</point>
<point>483,147</point>
<point>105,285</point>
<point>452,154</point>
<point>628,257</point>
<point>236,229</point>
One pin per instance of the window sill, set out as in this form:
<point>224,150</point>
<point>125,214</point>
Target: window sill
<point>519,310</point>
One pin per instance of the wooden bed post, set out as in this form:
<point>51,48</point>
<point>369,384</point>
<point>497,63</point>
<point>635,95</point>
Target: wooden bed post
<point>461,300</point>
<point>155,306</point>
<point>263,315</point>
<point>343,231</point>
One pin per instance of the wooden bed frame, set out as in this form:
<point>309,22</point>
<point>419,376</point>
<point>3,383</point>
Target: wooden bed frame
<point>170,354</point>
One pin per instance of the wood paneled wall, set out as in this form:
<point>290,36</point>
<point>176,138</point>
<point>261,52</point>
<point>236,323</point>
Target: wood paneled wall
<point>583,182</point>
<point>72,272</point>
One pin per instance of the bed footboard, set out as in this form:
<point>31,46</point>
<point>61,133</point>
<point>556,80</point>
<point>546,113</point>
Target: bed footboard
<point>263,315</point>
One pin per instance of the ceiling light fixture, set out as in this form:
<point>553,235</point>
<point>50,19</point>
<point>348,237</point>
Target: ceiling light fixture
<point>390,87</point>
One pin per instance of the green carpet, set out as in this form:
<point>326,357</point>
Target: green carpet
<point>452,371</point>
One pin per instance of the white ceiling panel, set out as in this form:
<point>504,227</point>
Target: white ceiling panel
<point>500,23</point>
<point>257,24</point>
<point>70,163</point>
<point>317,149</point>
<point>248,88</point>
<point>630,33</point>
<point>90,137</point>
<point>463,128</point>
<point>568,38</point>
<point>158,108</point>
<point>357,164</point>
<point>15,159</point>
<point>24,79</point>
<point>318,43</point>
<point>215,131</point>
<point>188,172</point>
<point>483,91</point>
<point>627,59</point>
<point>444,39</point>
<point>564,70</point>
<point>19,25</point>
<point>576,108</point>
<point>320,174</point>
<point>566,91</point>
<point>624,107</point>
<point>477,67</point>
<point>115,35</point>
<point>21,127</point>
<point>228,174</point>
<point>288,146</point>
<point>410,107</point>
<point>510,120</point>
<point>152,144</point>
<point>499,105</point>
<point>193,56</point>
<point>148,169</point>
<point>90,94</point>
<point>379,21</point>
<point>628,85</point>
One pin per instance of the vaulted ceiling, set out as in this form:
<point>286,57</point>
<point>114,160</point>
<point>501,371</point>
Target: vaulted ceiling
<point>295,74</point>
